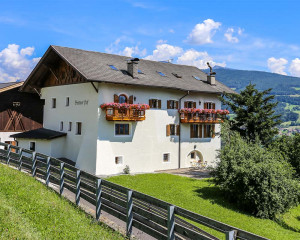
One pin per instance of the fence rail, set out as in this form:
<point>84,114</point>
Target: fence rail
<point>153,216</point>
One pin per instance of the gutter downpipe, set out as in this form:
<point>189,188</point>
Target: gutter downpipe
<point>179,137</point>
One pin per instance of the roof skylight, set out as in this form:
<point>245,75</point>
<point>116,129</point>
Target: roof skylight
<point>139,71</point>
<point>197,78</point>
<point>176,75</point>
<point>161,74</point>
<point>113,67</point>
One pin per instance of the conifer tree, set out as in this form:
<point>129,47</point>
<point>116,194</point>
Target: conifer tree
<point>254,113</point>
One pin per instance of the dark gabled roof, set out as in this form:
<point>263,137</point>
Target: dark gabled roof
<point>94,67</point>
<point>41,133</point>
<point>9,85</point>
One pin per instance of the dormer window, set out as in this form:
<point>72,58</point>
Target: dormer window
<point>113,67</point>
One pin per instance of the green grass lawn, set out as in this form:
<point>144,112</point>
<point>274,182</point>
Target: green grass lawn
<point>30,210</point>
<point>201,196</point>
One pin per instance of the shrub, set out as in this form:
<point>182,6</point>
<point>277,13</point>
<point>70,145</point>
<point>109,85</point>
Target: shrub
<point>126,170</point>
<point>258,180</point>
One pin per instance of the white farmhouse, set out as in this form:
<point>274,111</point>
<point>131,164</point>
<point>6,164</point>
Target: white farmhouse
<point>105,111</point>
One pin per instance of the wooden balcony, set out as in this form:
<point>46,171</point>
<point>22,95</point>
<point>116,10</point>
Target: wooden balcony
<point>201,118</point>
<point>122,114</point>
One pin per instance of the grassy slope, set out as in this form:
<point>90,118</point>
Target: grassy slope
<point>28,210</point>
<point>203,197</point>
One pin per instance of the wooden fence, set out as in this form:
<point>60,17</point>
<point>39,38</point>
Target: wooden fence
<point>153,216</point>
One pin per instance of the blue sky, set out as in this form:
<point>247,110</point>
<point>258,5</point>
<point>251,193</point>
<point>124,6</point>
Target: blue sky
<point>253,35</point>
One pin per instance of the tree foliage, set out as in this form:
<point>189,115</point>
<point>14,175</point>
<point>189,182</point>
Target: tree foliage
<point>254,112</point>
<point>257,179</point>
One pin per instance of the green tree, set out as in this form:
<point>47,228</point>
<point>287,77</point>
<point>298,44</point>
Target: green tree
<point>254,113</point>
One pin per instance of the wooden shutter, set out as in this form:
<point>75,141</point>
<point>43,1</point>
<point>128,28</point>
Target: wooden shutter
<point>205,105</point>
<point>131,99</point>
<point>205,131</point>
<point>177,130</point>
<point>150,103</point>
<point>168,104</point>
<point>185,104</point>
<point>159,104</point>
<point>176,104</point>
<point>213,130</point>
<point>168,130</point>
<point>116,98</point>
<point>213,106</point>
<point>200,131</point>
<point>191,131</point>
<point>194,104</point>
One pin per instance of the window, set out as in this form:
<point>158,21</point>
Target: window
<point>113,67</point>
<point>193,156</point>
<point>172,104</point>
<point>53,102</point>
<point>166,157</point>
<point>197,78</point>
<point>122,98</point>
<point>155,103</point>
<point>172,130</point>
<point>189,104</point>
<point>209,105</point>
<point>61,126</point>
<point>119,160</point>
<point>70,127</point>
<point>32,146</point>
<point>161,74</point>
<point>121,129</point>
<point>78,128</point>
<point>67,101</point>
<point>202,131</point>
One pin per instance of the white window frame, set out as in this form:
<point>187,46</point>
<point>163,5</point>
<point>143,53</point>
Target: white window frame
<point>122,160</point>
<point>130,129</point>
<point>34,145</point>
<point>169,157</point>
<point>76,129</point>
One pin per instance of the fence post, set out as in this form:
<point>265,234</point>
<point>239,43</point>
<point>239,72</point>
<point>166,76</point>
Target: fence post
<point>33,164</point>
<point>231,235</point>
<point>171,222</point>
<point>20,159</point>
<point>129,216</point>
<point>48,171</point>
<point>98,199</point>
<point>62,178</point>
<point>8,153</point>
<point>77,197</point>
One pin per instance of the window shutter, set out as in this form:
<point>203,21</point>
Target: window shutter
<point>178,130</point>
<point>213,130</point>
<point>185,104</point>
<point>200,131</point>
<point>150,103</point>
<point>191,131</point>
<point>213,106</point>
<point>168,104</point>
<point>205,131</point>
<point>176,104</point>
<point>194,104</point>
<point>168,130</point>
<point>131,99</point>
<point>159,104</point>
<point>116,98</point>
<point>205,105</point>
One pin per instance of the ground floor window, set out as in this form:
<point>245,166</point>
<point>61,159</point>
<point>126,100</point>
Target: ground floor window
<point>121,129</point>
<point>202,131</point>
<point>166,157</point>
<point>119,160</point>
<point>32,146</point>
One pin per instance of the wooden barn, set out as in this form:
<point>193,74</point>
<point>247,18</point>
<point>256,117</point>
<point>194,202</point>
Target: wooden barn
<point>19,111</point>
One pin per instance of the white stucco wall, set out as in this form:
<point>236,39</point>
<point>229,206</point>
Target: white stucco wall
<point>41,146</point>
<point>5,136</point>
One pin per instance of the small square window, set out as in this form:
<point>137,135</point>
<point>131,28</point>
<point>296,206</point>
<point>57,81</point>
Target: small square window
<point>122,129</point>
<point>61,126</point>
<point>119,160</point>
<point>78,128</point>
<point>53,102</point>
<point>166,157</point>
<point>67,101</point>
<point>32,146</point>
<point>70,127</point>
<point>155,103</point>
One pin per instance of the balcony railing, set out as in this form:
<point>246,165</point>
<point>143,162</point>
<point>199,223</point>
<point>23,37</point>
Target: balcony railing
<point>189,115</point>
<point>125,112</point>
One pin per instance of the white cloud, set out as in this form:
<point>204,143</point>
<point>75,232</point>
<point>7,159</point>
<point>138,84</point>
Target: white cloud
<point>295,67</point>
<point>203,32</point>
<point>164,52</point>
<point>277,65</point>
<point>197,59</point>
<point>240,31</point>
<point>15,64</point>
<point>130,51</point>
<point>229,36</point>
<point>171,31</point>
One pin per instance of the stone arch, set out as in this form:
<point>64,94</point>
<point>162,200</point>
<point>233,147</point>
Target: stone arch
<point>195,156</point>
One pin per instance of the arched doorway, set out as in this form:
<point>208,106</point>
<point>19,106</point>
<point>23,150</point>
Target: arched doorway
<point>195,157</point>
